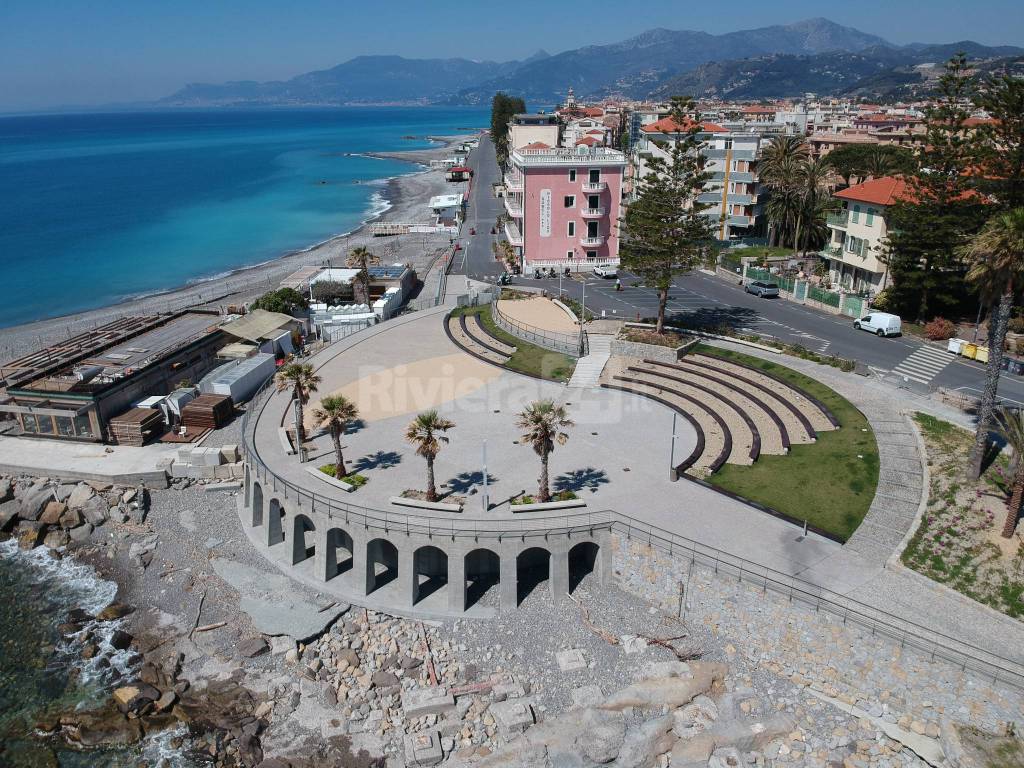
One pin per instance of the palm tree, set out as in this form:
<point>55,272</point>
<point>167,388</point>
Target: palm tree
<point>1009,423</point>
<point>996,255</point>
<point>781,152</point>
<point>881,161</point>
<point>422,432</point>
<point>542,422</point>
<point>362,259</point>
<point>302,380</point>
<point>336,412</point>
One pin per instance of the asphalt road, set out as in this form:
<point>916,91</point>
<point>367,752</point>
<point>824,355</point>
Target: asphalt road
<point>476,259</point>
<point>904,361</point>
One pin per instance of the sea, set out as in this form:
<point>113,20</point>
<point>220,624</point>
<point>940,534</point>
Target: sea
<point>98,208</point>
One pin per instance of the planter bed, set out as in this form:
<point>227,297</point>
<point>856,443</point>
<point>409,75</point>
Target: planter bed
<point>436,506</point>
<point>315,472</point>
<point>539,507</point>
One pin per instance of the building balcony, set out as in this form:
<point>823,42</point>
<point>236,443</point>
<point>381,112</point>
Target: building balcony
<point>514,207</point>
<point>592,242</point>
<point>513,235</point>
<point>593,213</point>
<point>514,184</point>
<point>836,220</point>
<point>595,186</point>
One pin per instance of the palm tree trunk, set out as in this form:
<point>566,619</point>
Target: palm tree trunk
<point>662,303</point>
<point>543,494</point>
<point>339,459</point>
<point>997,339</point>
<point>299,430</point>
<point>431,490</point>
<point>796,234</point>
<point>1013,505</point>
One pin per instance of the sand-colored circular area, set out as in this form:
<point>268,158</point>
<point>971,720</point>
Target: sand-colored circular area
<point>414,387</point>
<point>539,312</point>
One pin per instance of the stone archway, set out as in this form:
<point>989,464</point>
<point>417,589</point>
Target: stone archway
<point>301,548</point>
<point>533,568</point>
<point>257,505</point>
<point>275,523</point>
<point>338,539</point>
<point>431,563</point>
<point>483,571</point>
<point>582,562</point>
<point>381,564</point>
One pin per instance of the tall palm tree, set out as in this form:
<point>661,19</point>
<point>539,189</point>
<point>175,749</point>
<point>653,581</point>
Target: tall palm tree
<point>542,422</point>
<point>302,380</point>
<point>360,258</point>
<point>881,161</point>
<point>336,412</point>
<point>784,201</point>
<point>1009,423</point>
<point>781,152</point>
<point>996,255</point>
<point>423,433</point>
<point>813,179</point>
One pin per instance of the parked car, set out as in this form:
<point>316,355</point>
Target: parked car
<point>880,324</point>
<point>606,270</point>
<point>762,289</point>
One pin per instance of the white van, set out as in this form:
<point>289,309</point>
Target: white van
<point>880,324</point>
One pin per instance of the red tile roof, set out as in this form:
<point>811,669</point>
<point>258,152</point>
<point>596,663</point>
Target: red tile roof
<point>537,145</point>
<point>882,191</point>
<point>668,125</point>
<point>588,140</point>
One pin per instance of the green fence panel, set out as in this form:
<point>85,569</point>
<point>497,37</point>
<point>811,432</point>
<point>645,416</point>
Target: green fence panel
<point>853,306</point>
<point>786,284</point>
<point>754,273</point>
<point>823,297</point>
<point>800,290</point>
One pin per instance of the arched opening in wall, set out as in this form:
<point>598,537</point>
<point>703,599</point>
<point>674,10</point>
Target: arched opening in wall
<point>582,561</point>
<point>533,568</point>
<point>257,505</point>
<point>483,571</point>
<point>247,484</point>
<point>340,553</point>
<point>430,572</point>
<point>303,544</point>
<point>275,523</point>
<point>381,564</point>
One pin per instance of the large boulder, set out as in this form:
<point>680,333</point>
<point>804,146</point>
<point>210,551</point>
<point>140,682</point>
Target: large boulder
<point>30,534</point>
<point>80,495</point>
<point>34,501</point>
<point>9,514</point>
<point>6,489</point>
<point>642,746</point>
<point>95,510</point>
<point>602,735</point>
<point>52,512</point>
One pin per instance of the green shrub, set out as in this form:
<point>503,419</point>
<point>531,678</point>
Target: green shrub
<point>356,481</point>
<point>940,329</point>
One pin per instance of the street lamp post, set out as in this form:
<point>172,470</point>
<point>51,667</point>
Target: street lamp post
<point>485,497</point>
<point>673,473</point>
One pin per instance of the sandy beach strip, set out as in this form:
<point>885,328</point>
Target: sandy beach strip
<point>407,196</point>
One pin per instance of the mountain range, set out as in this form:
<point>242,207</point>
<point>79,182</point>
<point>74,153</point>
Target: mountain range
<point>815,55</point>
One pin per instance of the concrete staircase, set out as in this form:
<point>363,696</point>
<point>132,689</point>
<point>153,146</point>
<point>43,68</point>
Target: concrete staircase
<point>588,369</point>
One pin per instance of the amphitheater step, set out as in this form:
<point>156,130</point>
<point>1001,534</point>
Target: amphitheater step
<point>482,336</point>
<point>588,369</point>
<point>458,333</point>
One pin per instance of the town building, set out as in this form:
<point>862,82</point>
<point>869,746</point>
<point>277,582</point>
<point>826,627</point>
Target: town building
<point>530,129</point>
<point>447,209</point>
<point>71,390</point>
<point>858,234</point>
<point>564,205</point>
<point>733,195</point>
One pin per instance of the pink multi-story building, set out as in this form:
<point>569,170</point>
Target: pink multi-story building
<point>564,205</point>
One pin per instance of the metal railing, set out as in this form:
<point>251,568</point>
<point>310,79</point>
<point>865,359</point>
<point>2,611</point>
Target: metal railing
<point>935,644</point>
<point>571,344</point>
<point>927,641</point>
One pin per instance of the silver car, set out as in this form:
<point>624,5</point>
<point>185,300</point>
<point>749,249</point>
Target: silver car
<point>761,289</point>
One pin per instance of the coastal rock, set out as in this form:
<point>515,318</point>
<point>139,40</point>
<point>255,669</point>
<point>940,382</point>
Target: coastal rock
<point>6,489</point>
<point>56,538</point>
<point>34,502</point>
<point>30,535</point>
<point>80,495</point>
<point>107,728</point>
<point>669,691</point>
<point>53,512</point>
<point>120,640</point>
<point>8,514</point>
<point>114,611</point>
<point>70,519</point>
<point>250,649</point>
<point>95,511</point>
<point>125,695</point>
<point>81,533</point>
<point>641,746</point>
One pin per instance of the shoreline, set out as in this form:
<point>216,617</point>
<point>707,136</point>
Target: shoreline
<point>406,197</point>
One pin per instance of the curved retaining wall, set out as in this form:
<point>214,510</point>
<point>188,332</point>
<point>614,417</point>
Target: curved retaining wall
<point>396,564</point>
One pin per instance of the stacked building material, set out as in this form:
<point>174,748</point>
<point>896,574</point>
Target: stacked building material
<point>134,427</point>
<point>208,411</point>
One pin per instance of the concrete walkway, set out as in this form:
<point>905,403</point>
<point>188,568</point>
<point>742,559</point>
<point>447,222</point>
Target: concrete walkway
<point>588,369</point>
<point>118,464</point>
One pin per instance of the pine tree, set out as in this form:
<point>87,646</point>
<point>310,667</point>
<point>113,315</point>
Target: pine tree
<point>664,231</point>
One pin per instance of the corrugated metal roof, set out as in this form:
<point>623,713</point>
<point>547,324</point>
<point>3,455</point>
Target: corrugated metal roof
<point>258,324</point>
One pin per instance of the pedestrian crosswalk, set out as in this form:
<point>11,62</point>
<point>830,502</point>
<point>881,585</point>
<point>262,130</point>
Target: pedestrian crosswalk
<point>923,365</point>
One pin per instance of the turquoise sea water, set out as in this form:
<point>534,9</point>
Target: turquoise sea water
<point>99,208</point>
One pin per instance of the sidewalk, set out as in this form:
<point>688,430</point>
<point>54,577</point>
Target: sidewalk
<point>117,464</point>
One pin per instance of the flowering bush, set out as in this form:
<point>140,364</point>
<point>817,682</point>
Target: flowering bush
<point>940,329</point>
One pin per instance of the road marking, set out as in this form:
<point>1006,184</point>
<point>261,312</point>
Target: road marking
<point>923,365</point>
<point>1003,399</point>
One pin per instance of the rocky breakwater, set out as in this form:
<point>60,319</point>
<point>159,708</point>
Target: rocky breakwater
<point>41,511</point>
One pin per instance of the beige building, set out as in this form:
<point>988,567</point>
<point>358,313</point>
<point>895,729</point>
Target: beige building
<point>859,233</point>
<point>533,129</point>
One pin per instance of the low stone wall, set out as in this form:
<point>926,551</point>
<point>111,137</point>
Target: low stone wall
<point>657,352</point>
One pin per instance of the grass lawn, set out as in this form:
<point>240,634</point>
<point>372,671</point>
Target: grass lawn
<point>528,358</point>
<point>830,483</point>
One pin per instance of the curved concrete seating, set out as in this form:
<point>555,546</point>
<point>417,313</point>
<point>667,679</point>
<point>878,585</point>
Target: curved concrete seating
<point>455,327</point>
<point>773,430</point>
<point>746,438</point>
<point>480,334</point>
<point>719,445</point>
<point>816,412</point>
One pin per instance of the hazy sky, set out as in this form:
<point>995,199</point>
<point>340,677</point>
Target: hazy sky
<point>57,52</point>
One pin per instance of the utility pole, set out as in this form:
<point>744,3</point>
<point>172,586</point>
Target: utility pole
<point>485,498</point>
